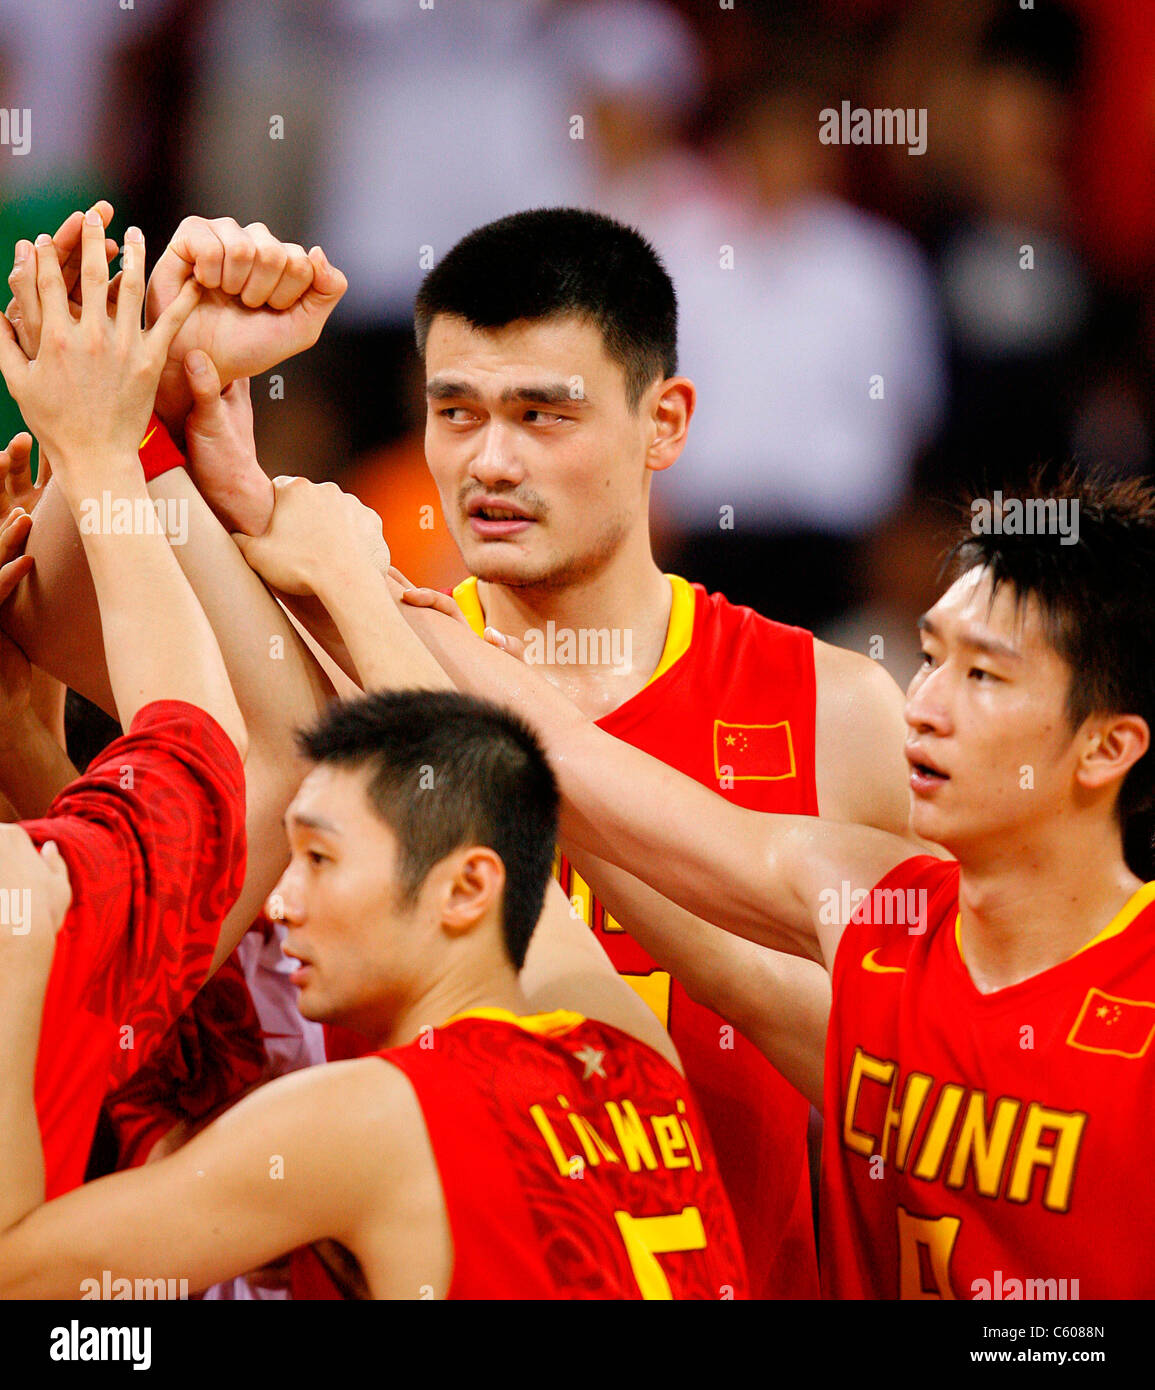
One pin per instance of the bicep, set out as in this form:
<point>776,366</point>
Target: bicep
<point>860,730</point>
<point>268,1176</point>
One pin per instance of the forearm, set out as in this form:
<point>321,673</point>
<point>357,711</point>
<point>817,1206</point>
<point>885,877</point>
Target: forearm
<point>158,643</point>
<point>278,686</point>
<point>384,652</point>
<point>718,861</point>
<point>54,616</point>
<point>33,766</point>
<point>315,619</point>
<point>780,1002</point>
<point>47,698</point>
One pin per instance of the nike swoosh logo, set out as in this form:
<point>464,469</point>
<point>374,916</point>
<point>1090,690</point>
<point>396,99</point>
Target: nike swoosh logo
<point>868,963</point>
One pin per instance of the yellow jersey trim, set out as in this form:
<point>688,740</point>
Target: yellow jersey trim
<point>466,598</point>
<point>678,634</point>
<point>681,628</point>
<point>1141,898</point>
<point>559,1021</point>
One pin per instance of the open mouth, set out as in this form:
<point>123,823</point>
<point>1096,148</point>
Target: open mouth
<point>925,770</point>
<point>498,514</point>
<point>924,776</point>
<point>491,519</point>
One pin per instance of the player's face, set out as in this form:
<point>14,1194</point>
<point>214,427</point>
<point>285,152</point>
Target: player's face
<point>539,461</point>
<point>361,953</point>
<point>991,752</point>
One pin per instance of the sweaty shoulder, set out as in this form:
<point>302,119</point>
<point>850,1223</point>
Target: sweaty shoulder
<point>859,736</point>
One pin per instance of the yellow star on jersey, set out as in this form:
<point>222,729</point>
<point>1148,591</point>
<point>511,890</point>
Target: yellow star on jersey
<point>591,1059</point>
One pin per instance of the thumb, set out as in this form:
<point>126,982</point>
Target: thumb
<point>243,542</point>
<point>204,381</point>
<point>172,320</point>
<point>329,284</point>
<point>207,413</point>
<point>323,295</point>
<point>13,363</point>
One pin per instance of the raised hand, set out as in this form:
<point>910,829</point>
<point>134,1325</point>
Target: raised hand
<point>264,301</point>
<point>316,531</point>
<point>23,310</point>
<point>89,391</point>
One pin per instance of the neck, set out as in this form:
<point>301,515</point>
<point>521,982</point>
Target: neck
<point>446,998</point>
<point>628,599</point>
<point>1032,906</point>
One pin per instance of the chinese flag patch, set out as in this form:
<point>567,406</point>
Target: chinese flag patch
<point>753,752</point>
<point>1119,1027</point>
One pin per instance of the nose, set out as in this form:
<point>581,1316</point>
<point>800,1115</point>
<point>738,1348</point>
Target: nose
<point>927,709</point>
<point>284,903</point>
<point>495,461</point>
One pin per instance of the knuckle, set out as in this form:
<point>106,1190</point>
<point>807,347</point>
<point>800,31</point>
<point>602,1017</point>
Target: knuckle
<point>270,253</point>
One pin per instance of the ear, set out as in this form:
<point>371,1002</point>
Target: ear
<point>669,414</point>
<point>1112,745</point>
<point>472,886</point>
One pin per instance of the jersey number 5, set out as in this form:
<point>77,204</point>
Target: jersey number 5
<point>647,1237</point>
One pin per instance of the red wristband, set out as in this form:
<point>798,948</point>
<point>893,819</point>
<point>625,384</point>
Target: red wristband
<point>158,453</point>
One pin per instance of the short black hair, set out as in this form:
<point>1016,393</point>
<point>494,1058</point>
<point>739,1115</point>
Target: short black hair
<point>1097,601</point>
<point>446,771</point>
<point>552,262</point>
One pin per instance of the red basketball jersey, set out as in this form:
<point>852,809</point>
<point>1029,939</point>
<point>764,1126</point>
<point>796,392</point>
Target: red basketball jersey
<point>573,1161</point>
<point>731,704</point>
<point>986,1145</point>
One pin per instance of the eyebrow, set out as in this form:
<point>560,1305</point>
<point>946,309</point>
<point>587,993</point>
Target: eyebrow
<point>989,646</point>
<point>310,822</point>
<point>555,393</point>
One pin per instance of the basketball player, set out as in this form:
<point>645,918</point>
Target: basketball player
<point>487,1151</point>
<point>990,1058</point>
<point>549,341</point>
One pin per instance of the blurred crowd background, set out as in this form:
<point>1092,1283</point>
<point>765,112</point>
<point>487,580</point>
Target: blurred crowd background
<point>875,334</point>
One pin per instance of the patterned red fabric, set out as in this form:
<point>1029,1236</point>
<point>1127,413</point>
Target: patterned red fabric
<point>206,1062</point>
<point>986,1145</point>
<point>154,838</point>
<point>535,1210</point>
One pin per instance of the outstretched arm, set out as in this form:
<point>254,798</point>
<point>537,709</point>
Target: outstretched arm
<point>765,877</point>
<point>87,396</point>
<point>302,1159</point>
<point>757,875</point>
<point>780,1002</point>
